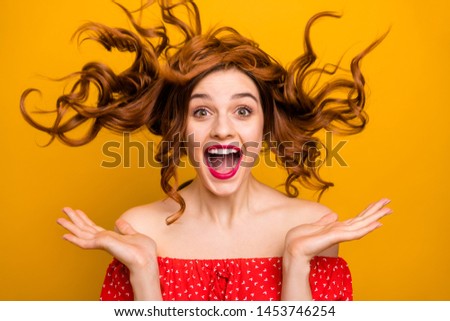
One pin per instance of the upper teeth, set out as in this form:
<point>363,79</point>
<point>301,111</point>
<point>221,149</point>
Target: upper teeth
<point>222,151</point>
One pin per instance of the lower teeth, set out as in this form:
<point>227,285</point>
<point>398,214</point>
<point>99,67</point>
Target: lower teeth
<point>222,163</point>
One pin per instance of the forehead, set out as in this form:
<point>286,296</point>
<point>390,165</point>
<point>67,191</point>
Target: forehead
<point>226,82</point>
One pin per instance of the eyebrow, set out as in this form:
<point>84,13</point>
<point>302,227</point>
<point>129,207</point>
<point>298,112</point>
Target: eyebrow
<point>235,96</point>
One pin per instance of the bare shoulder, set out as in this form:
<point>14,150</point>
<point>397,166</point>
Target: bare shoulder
<point>150,218</point>
<point>303,211</point>
<point>293,211</point>
<point>297,212</point>
<point>307,212</point>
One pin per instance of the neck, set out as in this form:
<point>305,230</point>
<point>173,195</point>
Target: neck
<point>223,210</point>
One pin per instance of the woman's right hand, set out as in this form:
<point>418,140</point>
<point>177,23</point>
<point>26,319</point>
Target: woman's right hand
<point>135,250</point>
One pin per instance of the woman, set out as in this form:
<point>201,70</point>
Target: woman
<point>220,100</point>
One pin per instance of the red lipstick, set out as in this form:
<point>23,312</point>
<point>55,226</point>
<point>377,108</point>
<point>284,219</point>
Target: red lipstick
<point>223,161</point>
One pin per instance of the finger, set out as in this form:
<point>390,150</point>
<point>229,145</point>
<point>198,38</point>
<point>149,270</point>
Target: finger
<point>372,208</point>
<point>74,216</point>
<point>345,235</point>
<point>375,206</point>
<point>74,229</point>
<point>327,219</point>
<point>88,221</point>
<point>82,243</point>
<point>124,227</point>
<point>357,234</point>
<point>376,216</point>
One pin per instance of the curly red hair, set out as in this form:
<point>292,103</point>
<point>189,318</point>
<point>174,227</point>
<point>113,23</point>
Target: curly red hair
<point>154,91</point>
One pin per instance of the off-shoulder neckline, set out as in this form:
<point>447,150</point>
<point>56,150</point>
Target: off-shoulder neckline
<point>248,259</point>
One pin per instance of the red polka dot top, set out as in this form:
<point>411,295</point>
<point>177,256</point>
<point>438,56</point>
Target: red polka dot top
<point>231,279</point>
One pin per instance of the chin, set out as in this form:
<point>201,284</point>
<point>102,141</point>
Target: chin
<point>223,170</point>
<point>223,187</point>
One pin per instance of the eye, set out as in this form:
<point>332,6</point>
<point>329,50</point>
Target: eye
<point>244,111</point>
<point>201,112</point>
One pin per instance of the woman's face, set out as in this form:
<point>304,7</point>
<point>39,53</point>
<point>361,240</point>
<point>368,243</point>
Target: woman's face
<point>224,129</point>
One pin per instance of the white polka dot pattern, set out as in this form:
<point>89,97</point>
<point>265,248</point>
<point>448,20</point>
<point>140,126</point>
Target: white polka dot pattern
<point>254,279</point>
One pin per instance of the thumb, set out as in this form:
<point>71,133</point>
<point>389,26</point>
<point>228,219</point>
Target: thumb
<point>327,219</point>
<point>124,227</point>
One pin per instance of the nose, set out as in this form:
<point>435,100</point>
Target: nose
<point>222,128</point>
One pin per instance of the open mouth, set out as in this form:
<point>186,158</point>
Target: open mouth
<point>223,160</point>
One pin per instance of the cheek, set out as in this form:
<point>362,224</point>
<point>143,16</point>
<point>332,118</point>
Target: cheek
<point>195,138</point>
<point>252,145</point>
<point>194,134</point>
<point>255,131</point>
<point>251,151</point>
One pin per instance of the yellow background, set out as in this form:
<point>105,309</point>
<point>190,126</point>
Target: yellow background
<point>402,155</point>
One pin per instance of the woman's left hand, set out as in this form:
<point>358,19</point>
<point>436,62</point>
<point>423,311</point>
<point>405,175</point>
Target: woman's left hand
<point>308,240</point>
